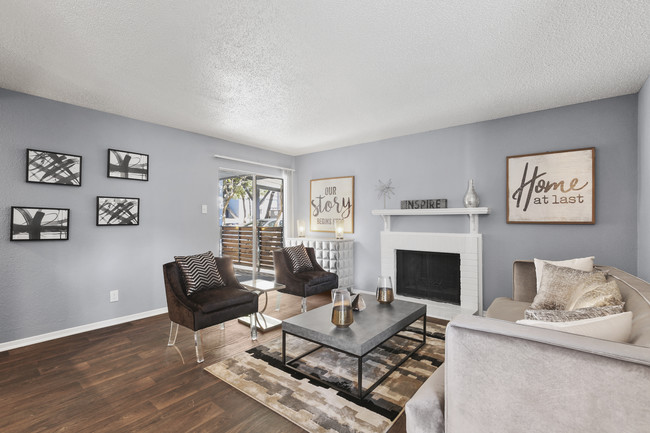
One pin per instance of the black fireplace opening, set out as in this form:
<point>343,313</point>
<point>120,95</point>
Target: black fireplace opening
<point>428,275</point>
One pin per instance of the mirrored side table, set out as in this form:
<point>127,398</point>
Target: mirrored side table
<point>263,322</point>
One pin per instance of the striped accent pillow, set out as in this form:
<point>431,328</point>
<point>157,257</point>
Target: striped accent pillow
<point>200,272</point>
<point>298,259</point>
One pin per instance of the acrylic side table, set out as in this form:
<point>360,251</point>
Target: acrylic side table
<point>263,322</point>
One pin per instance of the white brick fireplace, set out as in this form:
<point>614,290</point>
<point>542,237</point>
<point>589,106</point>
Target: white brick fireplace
<point>469,248</point>
<point>468,245</point>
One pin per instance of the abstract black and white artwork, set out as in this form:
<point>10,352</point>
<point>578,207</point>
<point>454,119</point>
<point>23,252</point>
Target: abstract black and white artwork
<point>53,168</point>
<point>118,211</point>
<point>39,224</point>
<point>128,165</point>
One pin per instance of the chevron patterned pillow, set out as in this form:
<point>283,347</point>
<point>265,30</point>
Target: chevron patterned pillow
<point>298,259</point>
<point>200,272</point>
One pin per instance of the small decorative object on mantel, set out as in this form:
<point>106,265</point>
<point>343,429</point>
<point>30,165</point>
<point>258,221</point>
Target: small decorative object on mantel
<point>471,198</point>
<point>341,308</point>
<point>385,290</point>
<point>358,304</point>
<point>385,190</point>
<point>436,203</point>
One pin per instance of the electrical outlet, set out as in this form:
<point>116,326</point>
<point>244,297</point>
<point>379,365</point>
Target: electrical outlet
<point>114,296</point>
<point>204,208</point>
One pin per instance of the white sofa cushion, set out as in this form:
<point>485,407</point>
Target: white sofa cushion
<point>582,264</point>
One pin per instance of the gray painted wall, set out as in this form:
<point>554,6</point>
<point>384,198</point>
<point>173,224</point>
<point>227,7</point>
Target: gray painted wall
<point>438,164</point>
<point>643,258</point>
<point>52,285</point>
<point>49,286</point>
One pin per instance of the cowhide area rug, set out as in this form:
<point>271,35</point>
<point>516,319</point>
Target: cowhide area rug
<point>259,373</point>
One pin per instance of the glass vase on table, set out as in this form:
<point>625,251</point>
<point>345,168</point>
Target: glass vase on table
<point>385,293</point>
<point>341,308</point>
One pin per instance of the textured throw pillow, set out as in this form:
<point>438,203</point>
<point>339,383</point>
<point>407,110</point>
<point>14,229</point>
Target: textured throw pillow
<point>568,316</point>
<point>200,272</point>
<point>298,259</point>
<point>582,264</point>
<point>596,295</point>
<point>615,327</point>
<point>559,284</point>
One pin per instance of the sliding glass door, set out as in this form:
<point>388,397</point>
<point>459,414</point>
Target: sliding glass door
<point>270,224</point>
<point>251,219</point>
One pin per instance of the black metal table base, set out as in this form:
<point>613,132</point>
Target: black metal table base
<point>361,394</point>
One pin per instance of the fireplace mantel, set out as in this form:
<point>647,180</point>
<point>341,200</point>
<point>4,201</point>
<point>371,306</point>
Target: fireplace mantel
<point>472,212</point>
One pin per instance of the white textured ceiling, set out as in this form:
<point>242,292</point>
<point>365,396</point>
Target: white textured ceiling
<point>298,76</point>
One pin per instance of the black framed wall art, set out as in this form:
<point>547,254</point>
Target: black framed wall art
<point>118,211</point>
<point>39,224</point>
<point>128,165</point>
<point>551,187</point>
<point>53,168</point>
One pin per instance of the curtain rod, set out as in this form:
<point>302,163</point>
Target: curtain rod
<point>254,162</point>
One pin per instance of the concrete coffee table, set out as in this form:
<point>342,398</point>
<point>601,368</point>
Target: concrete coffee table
<point>371,327</point>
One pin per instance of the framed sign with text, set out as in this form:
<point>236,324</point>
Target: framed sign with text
<point>331,199</point>
<point>551,187</point>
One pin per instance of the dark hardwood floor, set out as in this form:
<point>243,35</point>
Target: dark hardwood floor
<point>125,379</point>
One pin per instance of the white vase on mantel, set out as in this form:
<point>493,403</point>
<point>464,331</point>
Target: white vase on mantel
<point>471,198</point>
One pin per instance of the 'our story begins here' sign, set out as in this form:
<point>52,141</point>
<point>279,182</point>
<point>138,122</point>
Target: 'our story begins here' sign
<point>331,199</point>
<point>552,187</point>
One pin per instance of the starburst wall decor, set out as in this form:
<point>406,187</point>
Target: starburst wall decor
<point>386,190</point>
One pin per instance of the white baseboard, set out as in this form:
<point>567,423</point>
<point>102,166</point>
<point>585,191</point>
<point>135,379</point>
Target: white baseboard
<point>78,329</point>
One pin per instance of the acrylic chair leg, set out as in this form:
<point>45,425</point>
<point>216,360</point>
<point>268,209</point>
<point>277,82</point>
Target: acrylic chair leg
<point>198,346</point>
<point>253,327</point>
<point>277,301</point>
<point>173,333</point>
<point>303,305</point>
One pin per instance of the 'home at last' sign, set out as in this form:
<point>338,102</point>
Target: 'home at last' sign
<point>551,188</point>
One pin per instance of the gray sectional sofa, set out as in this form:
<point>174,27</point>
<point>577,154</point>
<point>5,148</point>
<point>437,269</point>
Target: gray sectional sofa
<point>500,376</point>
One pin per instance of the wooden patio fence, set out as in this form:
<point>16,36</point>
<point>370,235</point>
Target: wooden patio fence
<point>237,243</point>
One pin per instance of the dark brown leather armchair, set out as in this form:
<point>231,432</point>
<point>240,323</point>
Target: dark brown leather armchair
<point>206,307</point>
<point>302,284</point>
